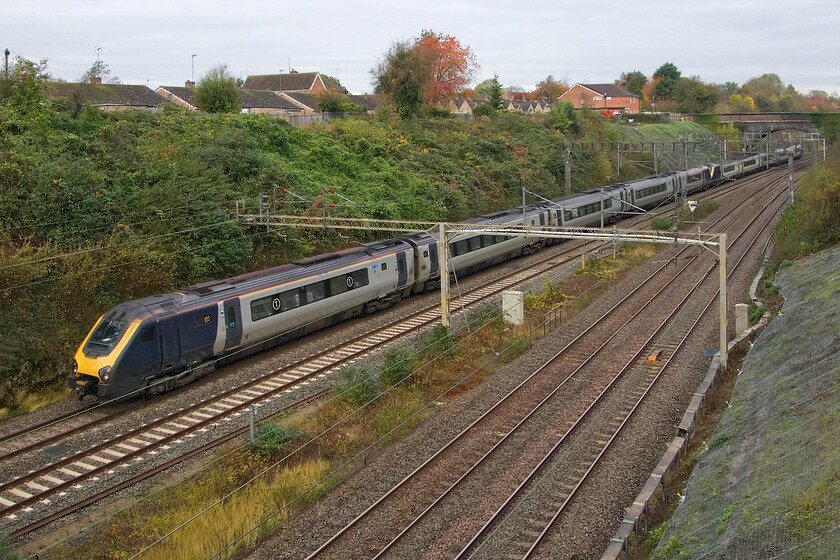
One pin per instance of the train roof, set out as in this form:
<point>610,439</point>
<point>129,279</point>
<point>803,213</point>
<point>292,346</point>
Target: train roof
<point>210,292</point>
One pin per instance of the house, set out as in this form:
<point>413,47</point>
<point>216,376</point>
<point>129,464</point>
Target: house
<point>309,102</point>
<point>266,102</point>
<point>253,101</point>
<point>299,82</point>
<point>107,97</point>
<point>180,96</point>
<point>602,96</point>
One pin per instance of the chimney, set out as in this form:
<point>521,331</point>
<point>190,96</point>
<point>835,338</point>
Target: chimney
<point>95,80</point>
<point>189,84</point>
<point>293,71</point>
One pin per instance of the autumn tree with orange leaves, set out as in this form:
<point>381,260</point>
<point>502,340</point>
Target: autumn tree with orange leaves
<point>432,69</point>
<point>453,66</point>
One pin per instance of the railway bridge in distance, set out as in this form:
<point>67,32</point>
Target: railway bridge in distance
<point>762,124</point>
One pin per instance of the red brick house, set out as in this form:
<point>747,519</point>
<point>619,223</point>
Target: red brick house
<point>602,96</point>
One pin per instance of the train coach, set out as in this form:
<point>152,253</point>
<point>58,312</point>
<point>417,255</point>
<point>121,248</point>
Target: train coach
<point>153,344</point>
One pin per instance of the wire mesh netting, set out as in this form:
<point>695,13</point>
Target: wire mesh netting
<point>768,484</point>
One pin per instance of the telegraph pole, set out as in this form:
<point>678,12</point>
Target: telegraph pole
<point>568,171</point>
<point>7,63</point>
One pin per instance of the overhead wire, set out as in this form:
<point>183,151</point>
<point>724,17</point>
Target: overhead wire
<point>99,269</point>
<point>113,226</point>
<point>114,245</point>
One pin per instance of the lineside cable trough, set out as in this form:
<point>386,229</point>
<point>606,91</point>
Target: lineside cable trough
<point>446,231</point>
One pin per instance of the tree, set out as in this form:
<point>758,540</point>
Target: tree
<point>484,87</point>
<point>100,71</point>
<point>217,91</point>
<point>452,69</point>
<point>742,103</point>
<point>632,81</point>
<point>26,84</point>
<point>666,77</point>
<point>694,96</point>
<point>331,101</point>
<point>549,89</point>
<point>494,99</point>
<point>730,87</point>
<point>400,76</point>
<point>433,68</point>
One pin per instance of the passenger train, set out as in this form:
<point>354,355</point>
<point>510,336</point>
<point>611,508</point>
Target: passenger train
<point>150,345</point>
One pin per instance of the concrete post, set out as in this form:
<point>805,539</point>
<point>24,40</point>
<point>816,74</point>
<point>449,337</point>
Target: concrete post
<point>568,171</point>
<point>513,307</point>
<point>742,317</point>
<point>790,175</point>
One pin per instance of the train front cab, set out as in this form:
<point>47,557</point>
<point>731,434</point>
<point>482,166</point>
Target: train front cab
<point>95,364</point>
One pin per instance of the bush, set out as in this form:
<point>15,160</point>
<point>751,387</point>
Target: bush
<point>439,339</point>
<point>270,437</point>
<point>483,314</point>
<point>399,363</point>
<point>357,385</point>
<point>662,224</point>
<point>484,110</point>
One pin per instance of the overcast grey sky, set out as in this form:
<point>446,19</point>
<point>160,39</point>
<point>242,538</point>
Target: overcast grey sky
<point>522,42</point>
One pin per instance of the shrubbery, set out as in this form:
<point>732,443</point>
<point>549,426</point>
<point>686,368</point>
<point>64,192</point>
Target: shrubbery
<point>102,207</point>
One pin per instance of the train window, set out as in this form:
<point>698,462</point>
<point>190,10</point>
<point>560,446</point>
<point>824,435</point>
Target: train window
<point>475,243</point>
<point>261,308</point>
<point>346,282</point>
<point>231,317</point>
<point>487,240</point>
<point>276,303</point>
<point>148,334</point>
<point>459,248</point>
<point>107,333</point>
<point>315,292</point>
<point>384,266</point>
<point>425,254</point>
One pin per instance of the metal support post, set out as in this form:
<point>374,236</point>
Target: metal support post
<point>722,268</point>
<point>814,144</point>
<point>823,149</point>
<point>655,161</point>
<point>618,172</point>
<point>685,151</point>
<point>443,251</point>
<point>524,218</point>
<point>725,148</point>
<point>767,144</point>
<point>602,208</point>
<point>253,412</point>
<point>568,171</point>
<point>790,175</point>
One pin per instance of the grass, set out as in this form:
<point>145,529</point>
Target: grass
<point>25,401</point>
<point>371,407</point>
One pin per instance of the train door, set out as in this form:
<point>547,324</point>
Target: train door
<point>434,266</point>
<point>233,323</point>
<point>170,344</point>
<point>402,270</point>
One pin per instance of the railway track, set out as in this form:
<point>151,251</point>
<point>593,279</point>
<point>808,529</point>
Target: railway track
<point>32,437</point>
<point>454,464</point>
<point>20,498</point>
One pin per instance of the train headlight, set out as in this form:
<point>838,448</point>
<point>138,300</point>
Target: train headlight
<point>105,373</point>
<point>75,367</point>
